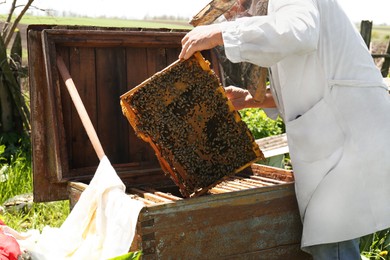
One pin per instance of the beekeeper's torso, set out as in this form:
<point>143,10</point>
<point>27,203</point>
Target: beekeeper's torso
<point>336,109</point>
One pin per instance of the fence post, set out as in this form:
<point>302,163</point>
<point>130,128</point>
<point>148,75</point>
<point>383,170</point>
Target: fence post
<point>386,64</point>
<point>365,31</point>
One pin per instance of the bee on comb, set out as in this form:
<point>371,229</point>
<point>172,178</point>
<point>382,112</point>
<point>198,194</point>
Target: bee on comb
<point>197,135</point>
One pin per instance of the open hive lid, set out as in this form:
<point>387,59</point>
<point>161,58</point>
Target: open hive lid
<point>197,135</point>
<point>104,63</point>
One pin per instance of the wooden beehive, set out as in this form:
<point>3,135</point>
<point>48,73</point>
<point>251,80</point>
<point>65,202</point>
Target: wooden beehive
<point>252,215</point>
<point>198,136</point>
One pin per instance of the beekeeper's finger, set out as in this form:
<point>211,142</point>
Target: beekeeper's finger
<point>200,38</point>
<point>186,50</point>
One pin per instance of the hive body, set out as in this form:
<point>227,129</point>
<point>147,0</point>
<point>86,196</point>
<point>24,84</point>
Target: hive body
<point>197,135</point>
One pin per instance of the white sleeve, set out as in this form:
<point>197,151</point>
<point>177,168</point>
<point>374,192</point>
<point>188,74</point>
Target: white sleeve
<point>290,28</point>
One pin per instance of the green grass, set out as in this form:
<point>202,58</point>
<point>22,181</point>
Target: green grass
<point>16,179</point>
<point>104,22</point>
<point>15,166</point>
<point>380,33</point>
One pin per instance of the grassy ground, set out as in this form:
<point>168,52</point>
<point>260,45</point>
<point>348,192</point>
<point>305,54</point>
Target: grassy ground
<point>381,33</point>
<point>15,180</point>
<point>105,22</point>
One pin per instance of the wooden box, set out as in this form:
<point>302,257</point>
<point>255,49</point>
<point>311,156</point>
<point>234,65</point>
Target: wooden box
<point>253,215</point>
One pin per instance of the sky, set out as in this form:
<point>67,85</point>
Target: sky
<point>357,10</point>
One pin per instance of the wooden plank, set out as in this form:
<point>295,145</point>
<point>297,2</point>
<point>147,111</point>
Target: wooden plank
<point>172,55</point>
<point>386,64</point>
<point>149,196</point>
<point>273,145</point>
<point>365,31</point>
<point>246,183</point>
<point>106,37</point>
<point>270,172</point>
<point>156,60</point>
<point>82,70</point>
<point>67,108</point>
<point>164,195</point>
<point>213,226</point>
<point>137,72</point>
<point>54,109</point>
<point>111,83</point>
<point>44,161</point>
<point>75,190</point>
<point>266,181</point>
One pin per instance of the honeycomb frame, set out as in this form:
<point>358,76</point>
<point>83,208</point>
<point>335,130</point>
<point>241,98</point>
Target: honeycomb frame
<point>197,135</point>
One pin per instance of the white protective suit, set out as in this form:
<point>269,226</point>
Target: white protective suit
<point>336,108</point>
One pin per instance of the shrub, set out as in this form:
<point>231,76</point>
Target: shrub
<point>260,124</point>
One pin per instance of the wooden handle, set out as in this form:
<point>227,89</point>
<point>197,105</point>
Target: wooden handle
<point>78,103</point>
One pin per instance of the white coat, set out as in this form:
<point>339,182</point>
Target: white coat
<point>336,108</point>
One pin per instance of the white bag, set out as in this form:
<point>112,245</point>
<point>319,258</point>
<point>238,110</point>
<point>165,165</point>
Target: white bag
<point>100,226</point>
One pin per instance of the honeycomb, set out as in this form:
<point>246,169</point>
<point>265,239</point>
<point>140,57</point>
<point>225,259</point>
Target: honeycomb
<point>184,114</point>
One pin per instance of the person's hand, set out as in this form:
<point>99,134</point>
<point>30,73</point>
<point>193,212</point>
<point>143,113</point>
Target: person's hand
<point>200,38</point>
<point>238,96</point>
<point>241,98</point>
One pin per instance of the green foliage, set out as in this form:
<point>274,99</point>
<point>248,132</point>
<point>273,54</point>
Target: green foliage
<point>376,246</point>
<point>37,216</point>
<point>15,166</point>
<point>16,179</point>
<point>260,124</point>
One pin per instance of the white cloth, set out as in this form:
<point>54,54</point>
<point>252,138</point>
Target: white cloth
<point>100,226</point>
<point>336,108</point>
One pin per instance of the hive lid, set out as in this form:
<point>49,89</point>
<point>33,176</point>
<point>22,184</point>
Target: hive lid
<point>197,135</point>
<point>101,62</point>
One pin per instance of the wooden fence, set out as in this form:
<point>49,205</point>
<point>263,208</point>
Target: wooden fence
<point>365,31</point>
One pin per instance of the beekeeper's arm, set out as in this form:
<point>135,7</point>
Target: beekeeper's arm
<point>241,98</point>
<point>290,28</point>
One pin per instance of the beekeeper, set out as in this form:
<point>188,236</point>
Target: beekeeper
<point>336,108</point>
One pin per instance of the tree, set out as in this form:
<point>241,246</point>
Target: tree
<point>14,112</point>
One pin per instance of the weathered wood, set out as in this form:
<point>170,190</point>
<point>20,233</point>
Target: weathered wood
<point>257,222</point>
<point>211,12</point>
<point>44,160</point>
<point>238,221</point>
<point>386,64</point>
<point>82,68</point>
<point>365,31</point>
<point>99,37</point>
<point>99,65</point>
<point>75,189</point>
<point>110,83</point>
<point>270,172</point>
<point>54,110</point>
<point>273,145</point>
